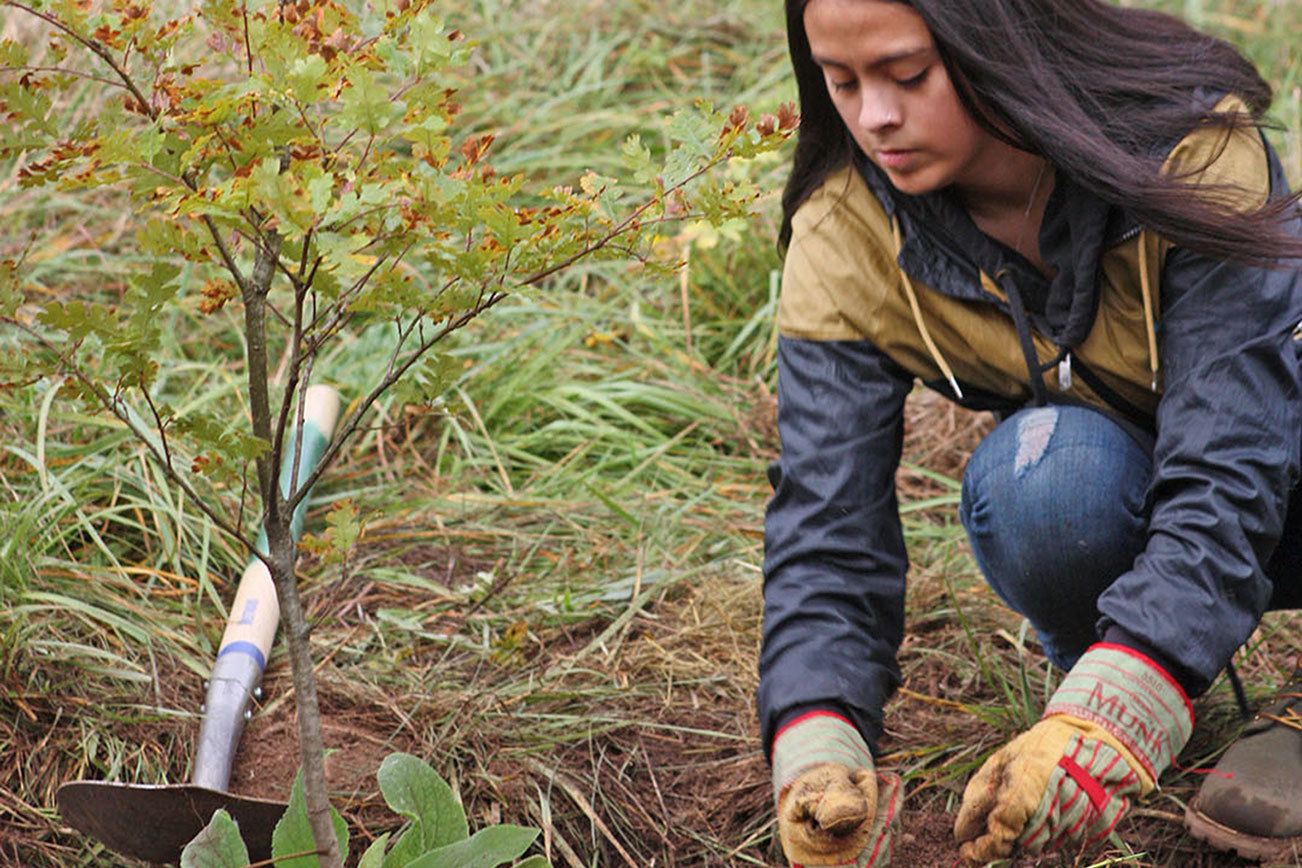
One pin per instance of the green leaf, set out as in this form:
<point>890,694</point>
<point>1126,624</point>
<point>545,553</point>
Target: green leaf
<point>344,523</point>
<point>428,41</point>
<point>426,382</point>
<point>149,142</point>
<point>429,138</point>
<point>696,129</point>
<point>534,862</point>
<point>80,319</point>
<point>343,528</point>
<point>637,159</point>
<point>305,77</point>
<point>417,792</point>
<point>271,130</point>
<point>339,252</point>
<point>366,103</point>
<point>390,293</point>
<point>696,141</point>
<point>26,104</point>
<point>156,288</point>
<point>12,53</point>
<point>374,855</point>
<point>169,237</point>
<point>126,145</point>
<point>293,834</point>
<point>264,179</point>
<point>218,845</point>
<point>319,191</point>
<point>275,191</point>
<point>221,435</point>
<point>10,295</point>
<point>410,846</point>
<point>489,848</point>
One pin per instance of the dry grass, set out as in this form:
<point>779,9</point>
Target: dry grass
<point>574,647</point>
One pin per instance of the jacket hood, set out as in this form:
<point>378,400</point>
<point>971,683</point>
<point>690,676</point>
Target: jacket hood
<point>945,249</point>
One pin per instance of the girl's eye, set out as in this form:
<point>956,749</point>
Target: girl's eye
<point>843,86</point>
<point>916,80</point>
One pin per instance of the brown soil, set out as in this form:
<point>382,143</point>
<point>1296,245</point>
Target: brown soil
<point>925,838</point>
<point>357,738</point>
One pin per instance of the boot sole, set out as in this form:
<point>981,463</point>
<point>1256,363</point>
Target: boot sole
<point>1252,847</point>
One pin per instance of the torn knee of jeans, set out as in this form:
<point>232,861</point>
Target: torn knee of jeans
<point>1034,430</point>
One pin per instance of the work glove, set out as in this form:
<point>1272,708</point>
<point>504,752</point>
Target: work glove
<point>1116,722</point>
<point>833,807</point>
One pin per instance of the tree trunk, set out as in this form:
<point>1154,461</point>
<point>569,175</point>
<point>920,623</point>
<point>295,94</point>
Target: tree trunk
<point>311,744</point>
<point>281,548</point>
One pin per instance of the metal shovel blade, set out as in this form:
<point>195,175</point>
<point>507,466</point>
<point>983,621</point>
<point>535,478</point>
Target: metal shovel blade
<point>154,823</point>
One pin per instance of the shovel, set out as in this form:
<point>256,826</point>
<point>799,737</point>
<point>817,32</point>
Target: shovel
<point>153,823</point>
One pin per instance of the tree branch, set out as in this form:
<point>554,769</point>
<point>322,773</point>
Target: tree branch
<point>113,406</point>
<point>619,229</point>
<point>351,424</point>
<point>108,82</point>
<point>95,47</point>
<point>162,429</point>
<point>240,281</point>
<point>340,305</point>
<point>291,494</point>
<point>286,400</point>
<point>255,329</point>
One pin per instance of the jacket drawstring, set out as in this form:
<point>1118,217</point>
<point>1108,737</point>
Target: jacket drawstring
<point>912,294</point>
<point>1147,292</point>
<point>1023,327</point>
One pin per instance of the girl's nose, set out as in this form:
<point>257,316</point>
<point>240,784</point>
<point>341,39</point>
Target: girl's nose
<point>878,111</point>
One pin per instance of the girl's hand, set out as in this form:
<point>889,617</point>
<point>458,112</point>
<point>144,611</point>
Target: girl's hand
<point>833,807</point>
<point>1116,722</point>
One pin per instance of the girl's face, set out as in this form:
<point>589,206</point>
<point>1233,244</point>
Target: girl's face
<point>894,94</point>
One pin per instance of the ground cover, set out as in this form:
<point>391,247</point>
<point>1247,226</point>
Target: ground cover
<point>556,600</point>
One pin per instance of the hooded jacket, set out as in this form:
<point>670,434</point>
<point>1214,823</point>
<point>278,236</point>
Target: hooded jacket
<point>1196,357</point>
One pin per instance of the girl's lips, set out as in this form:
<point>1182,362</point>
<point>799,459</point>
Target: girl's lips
<point>895,159</point>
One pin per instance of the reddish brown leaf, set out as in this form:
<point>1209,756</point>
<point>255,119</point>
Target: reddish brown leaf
<point>788,117</point>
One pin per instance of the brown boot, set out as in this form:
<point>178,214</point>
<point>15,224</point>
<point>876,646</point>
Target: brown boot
<point>1252,802</point>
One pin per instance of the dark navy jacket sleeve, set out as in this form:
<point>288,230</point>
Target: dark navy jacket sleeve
<point>834,559</point>
<point>1229,429</point>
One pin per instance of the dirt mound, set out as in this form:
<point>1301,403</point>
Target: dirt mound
<point>358,736</point>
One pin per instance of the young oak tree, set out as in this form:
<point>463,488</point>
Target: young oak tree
<point>300,161</point>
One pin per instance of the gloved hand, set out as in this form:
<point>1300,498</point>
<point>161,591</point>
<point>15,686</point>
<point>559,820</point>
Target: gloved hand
<point>1116,722</point>
<point>833,807</point>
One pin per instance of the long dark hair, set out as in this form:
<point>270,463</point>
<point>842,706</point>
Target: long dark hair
<point>1099,90</point>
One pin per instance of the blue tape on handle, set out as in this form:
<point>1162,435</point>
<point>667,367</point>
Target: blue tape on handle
<point>244,648</point>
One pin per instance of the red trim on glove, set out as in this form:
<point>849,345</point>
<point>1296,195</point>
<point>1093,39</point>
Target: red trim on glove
<point>890,812</point>
<point>1097,795</point>
<point>1144,658</point>
<point>808,716</point>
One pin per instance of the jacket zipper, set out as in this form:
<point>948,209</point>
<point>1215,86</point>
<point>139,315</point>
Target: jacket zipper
<point>1126,236</point>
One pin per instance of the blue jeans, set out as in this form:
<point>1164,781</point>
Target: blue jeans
<point>1055,506</point>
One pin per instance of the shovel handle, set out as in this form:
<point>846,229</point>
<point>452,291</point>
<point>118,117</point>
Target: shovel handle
<point>255,612</point>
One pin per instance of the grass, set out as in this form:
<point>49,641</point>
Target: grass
<point>557,599</point>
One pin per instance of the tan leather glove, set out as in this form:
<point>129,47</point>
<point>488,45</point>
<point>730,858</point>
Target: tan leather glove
<point>1116,722</point>
<point>833,807</point>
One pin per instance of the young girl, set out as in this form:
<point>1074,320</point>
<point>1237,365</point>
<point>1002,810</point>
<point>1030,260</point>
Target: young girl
<point>1064,212</point>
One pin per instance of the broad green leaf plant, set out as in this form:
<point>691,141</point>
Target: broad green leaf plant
<point>300,163</point>
<point>436,836</point>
